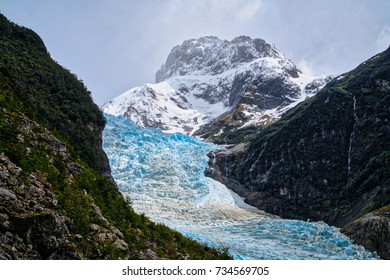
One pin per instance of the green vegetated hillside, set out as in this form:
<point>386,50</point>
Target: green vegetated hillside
<point>57,197</point>
<point>326,159</point>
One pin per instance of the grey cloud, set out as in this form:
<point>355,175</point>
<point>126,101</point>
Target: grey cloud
<point>117,44</point>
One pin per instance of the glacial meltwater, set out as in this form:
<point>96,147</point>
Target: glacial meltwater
<point>163,175</point>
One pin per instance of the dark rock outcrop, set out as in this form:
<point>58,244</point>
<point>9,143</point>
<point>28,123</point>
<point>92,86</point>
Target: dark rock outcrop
<point>372,231</point>
<point>31,225</point>
<point>326,159</point>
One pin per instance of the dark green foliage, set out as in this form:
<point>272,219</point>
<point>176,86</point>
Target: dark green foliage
<point>327,158</point>
<point>44,91</point>
<point>137,229</point>
<point>41,102</point>
<point>371,182</point>
<point>237,136</point>
<point>301,148</point>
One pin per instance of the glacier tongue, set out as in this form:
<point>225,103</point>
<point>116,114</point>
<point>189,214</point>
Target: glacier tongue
<point>163,174</point>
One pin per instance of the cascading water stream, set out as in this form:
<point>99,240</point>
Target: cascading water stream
<point>164,177</point>
<point>352,133</point>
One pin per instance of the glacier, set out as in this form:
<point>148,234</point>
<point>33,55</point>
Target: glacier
<point>163,175</point>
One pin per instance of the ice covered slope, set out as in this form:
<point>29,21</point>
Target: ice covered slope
<point>164,177</point>
<point>208,78</point>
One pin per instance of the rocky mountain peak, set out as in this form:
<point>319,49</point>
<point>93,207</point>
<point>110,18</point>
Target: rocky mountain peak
<point>211,55</point>
<point>209,86</point>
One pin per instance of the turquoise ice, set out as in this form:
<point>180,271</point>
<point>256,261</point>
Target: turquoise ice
<point>163,175</point>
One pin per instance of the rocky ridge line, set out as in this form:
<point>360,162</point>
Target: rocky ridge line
<point>210,87</point>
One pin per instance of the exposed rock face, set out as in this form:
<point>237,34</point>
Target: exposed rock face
<point>31,225</point>
<point>327,159</point>
<point>222,163</point>
<point>211,55</point>
<point>372,231</point>
<point>209,86</point>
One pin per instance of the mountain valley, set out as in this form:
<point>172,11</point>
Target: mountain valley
<point>233,152</point>
<point>300,147</point>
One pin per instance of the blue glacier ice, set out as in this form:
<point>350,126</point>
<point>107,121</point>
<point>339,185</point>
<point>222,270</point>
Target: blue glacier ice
<point>163,175</point>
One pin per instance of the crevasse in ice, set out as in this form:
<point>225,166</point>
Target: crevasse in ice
<point>163,174</point>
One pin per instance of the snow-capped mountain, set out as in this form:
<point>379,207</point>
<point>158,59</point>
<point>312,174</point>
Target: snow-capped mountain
<point>219,85</point>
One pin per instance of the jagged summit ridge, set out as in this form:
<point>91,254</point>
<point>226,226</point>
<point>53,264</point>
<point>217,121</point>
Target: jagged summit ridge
<point>209,86</point>
<point>211,55</point>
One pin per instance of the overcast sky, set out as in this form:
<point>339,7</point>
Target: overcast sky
<point>114,45</point>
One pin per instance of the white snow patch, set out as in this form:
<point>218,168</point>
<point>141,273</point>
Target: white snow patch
<point>184,103</point>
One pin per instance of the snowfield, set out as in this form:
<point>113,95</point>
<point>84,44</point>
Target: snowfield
<point>206,78</point>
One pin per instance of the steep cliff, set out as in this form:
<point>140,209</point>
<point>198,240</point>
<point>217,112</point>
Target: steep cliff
<point>57,197</point>
<point>326,159</point>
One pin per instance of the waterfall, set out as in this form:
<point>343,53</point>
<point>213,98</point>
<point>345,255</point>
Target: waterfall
<point>352,133</point>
